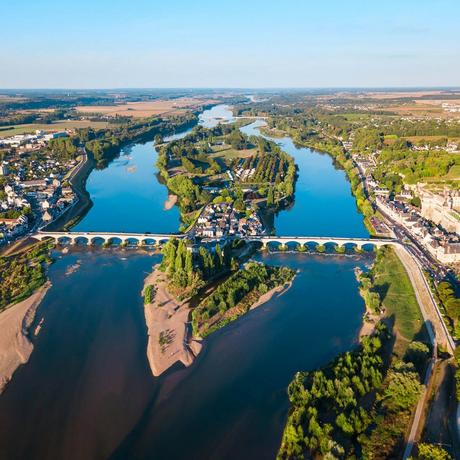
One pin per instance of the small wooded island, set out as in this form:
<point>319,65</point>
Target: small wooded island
<point>212,285</point>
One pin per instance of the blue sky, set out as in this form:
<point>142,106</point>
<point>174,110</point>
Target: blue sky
<point>229,43</point>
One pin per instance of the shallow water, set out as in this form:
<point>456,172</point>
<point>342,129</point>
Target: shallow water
<point>88,392</point>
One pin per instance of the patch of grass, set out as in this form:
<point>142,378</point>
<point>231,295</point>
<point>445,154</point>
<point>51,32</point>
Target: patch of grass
<point>229,152</point>
<point>454,172</point>
<point>398,297</point>
<point>356,116</point>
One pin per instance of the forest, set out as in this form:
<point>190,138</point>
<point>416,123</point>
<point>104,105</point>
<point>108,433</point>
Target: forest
<point>187,272</point>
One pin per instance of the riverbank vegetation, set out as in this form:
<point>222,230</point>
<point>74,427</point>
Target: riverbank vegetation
<point>21,274</point>
<point>359,406</point>
<point>105,144</point>
<point>149,294</point>
<point>387,290</point>
<point>236,295</point>
<point>223,290</point>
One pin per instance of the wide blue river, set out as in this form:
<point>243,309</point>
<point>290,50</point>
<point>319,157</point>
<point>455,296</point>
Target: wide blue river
<point>128,197</point>
<point>87,391</point>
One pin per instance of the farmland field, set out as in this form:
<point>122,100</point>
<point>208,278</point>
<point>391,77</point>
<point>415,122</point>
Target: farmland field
<point>145,109</point>
<point>57,126</point>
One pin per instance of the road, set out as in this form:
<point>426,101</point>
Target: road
<point>420,409</point>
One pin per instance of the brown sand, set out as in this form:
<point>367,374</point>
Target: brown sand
<point>170,202</point>
<point>370,319</point>
<point>15,346</point>
<point>169,316</point>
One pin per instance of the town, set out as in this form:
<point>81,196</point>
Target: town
<point>34,182</point>
<point>435,224</point>
<point>222,219</point>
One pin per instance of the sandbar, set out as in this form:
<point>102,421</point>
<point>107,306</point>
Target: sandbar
<point>15,344</point>
<point>170,202</point>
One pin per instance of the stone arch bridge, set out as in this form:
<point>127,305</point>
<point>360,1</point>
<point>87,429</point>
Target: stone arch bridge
<point>157,239</point>
<point>323,240</point>
<point>154,239</point>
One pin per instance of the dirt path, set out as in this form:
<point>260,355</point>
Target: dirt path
<point>436,429</point>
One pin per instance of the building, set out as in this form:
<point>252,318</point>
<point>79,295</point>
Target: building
<point>442,208</point>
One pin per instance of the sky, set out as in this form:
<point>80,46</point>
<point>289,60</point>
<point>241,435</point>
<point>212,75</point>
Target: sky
<point>229,43</point>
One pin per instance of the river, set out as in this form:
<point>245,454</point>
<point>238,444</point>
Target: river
<point>324,205</point>
<point>87,391</point>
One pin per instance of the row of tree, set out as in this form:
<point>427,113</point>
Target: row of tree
<point>451,302</point>
<point>255,278</point>
<point>188,271</point>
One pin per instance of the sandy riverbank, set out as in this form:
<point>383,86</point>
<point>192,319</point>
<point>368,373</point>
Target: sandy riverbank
<point>169,317</point>
<point>369,322</point>
<point>170,202</point>
<point>15,345</point>
<point>268,295</point>
<point>370,319</point>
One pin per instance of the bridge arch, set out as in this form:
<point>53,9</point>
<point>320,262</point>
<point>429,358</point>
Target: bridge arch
<point>63,240</point>
<point>149,242</point>
<point>81,240</point>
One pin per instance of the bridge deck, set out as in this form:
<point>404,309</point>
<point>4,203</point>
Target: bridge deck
<point>264,239</point>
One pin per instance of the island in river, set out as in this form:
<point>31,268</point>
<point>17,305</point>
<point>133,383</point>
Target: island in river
<point>221,170</point>
<point>211,287</point>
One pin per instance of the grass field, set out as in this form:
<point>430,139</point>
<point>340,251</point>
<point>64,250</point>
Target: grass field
<point>357,116</point>
<point>57,126</point>
<point>393,284</point>
<point>229,152</point>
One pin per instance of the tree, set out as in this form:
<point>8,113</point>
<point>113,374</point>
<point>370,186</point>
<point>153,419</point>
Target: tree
<point>270,197</point>
<point>427,451</point>
<point>417,353</point>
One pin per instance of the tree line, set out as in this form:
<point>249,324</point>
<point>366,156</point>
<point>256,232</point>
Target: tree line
<point>254,278</point>
<point>188,271</point>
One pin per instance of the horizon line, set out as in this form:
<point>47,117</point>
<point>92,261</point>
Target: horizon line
<point>234,88</point>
